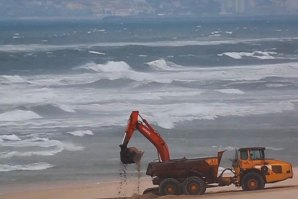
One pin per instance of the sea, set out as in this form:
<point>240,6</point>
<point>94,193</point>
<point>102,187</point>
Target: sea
<point>67,88</point>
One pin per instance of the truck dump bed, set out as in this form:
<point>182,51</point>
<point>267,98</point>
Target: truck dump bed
<point>206,167</point>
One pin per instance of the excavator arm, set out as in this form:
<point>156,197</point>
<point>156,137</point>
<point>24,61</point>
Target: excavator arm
<point>133,155</point>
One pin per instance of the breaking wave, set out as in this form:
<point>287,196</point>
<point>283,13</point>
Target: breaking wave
<point>10,137</point>
<point>163,65</point>
<point>36,147</point>
<point>45,109</point>
<point>44,47</point>
<point>12,79</point>
<point>231,91</point>
<point>163,71</point>
<point>110,66</point>
<point>65,108</point>
<point>168,102</point>
<point>188,112</point>
<point>96,52</point>
<point>255,54</point>
<point>80,133</point>
<point>41,142</point>
<point>168,115</point>
<point>113,70</point>
<point>18,115</point>
<point>26,167</point>
<point>166,72</point>
<point>10,154</point>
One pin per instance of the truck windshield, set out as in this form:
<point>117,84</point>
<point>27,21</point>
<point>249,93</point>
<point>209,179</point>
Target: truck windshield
<point>243,155</point>
<point>256,154</point>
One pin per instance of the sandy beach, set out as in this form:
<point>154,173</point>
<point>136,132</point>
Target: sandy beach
<point>114,189</point>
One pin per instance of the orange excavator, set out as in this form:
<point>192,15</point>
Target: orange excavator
<point>250,169</point>
<point>132,155</point>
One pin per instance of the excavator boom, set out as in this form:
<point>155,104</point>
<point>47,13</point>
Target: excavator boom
<point>132,154</point>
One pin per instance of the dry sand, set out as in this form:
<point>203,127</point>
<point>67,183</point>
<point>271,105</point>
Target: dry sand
<point>287,189</point>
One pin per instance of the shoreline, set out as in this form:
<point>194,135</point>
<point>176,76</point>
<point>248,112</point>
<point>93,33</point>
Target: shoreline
<point>118,189</point>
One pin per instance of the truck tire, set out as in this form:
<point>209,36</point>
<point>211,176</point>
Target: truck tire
<point>252,181</point>
<point>169,186</point>
<point>194,186</point>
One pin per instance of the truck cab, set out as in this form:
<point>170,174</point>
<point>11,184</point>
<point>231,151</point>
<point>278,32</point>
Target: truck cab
<point>253,170</point>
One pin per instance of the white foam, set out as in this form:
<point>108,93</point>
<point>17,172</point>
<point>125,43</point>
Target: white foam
<point>27,95</point>
<point>96,52</point>
<point>44,47</point>
<point>11,137</point>
<point>37,147</point>
<point>66,108</point>
<point>166,72</point>
<point>12,79</point>
<point>32,142</point>
<point>169,104</point>
<point>225,148</point>
<point>168,115</point>
<point>68,146</point>
<point>275,85</point>
<point>110,66</point>
<point>26,167</point>
<point>18,115</point>
<point>117,70</point>
<point>41,142</point>
<point>231,91</point>
<point>10,154</point>
<point>80,133</point>
<point>163,65</point>
<point>59,80</point>
<point>234,55</point>
<point>249,72</point>
<point>264,55</point>
<point>96,30</point>
<point>256,54</point>
<point>214,35</point>
<point>275,148</point>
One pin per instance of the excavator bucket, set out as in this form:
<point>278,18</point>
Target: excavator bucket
<point>130,155</point>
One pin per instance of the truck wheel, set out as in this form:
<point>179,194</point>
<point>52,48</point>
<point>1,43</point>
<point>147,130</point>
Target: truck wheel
<point>252,181</point>
<point>194,186</point>
<point>169,186</point>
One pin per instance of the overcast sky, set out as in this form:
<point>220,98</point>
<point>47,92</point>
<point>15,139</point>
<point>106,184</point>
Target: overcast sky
<point>144,8</point>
